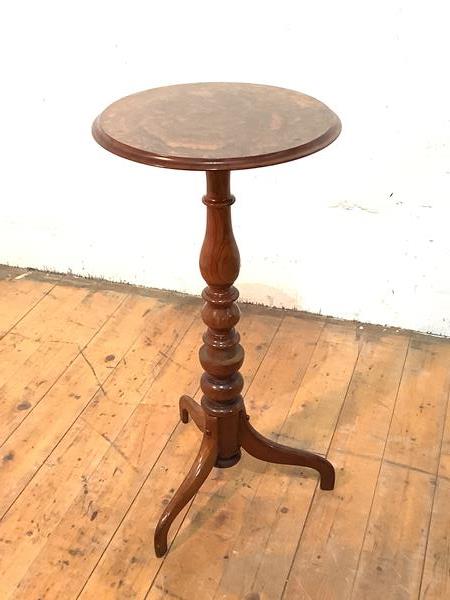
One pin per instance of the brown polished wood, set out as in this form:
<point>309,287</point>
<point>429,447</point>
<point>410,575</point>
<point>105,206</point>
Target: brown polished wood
<point>265,449</point>
<point>190,408</point>
<point>201,468</point>
<point>221,355</point>
<point>218,127</point>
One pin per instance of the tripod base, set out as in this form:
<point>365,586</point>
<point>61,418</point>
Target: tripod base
<point>218,440</point>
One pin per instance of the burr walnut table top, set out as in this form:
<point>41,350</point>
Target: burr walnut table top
<point>216,126</point>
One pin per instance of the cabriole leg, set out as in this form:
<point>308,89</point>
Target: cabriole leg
<point>190,408</point>
<point>199,471</point>
<point>265,449</point>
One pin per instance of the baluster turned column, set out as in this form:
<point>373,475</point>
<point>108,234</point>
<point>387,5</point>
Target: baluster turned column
<point>222,417</point>
<point>221,355</point>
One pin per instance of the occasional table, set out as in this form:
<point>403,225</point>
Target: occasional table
<point>217,128</point>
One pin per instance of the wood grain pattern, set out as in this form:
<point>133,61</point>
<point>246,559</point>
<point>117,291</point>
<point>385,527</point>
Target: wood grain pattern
<point>33,358</point>
<point>19,297</point>
<point>141,363</point>
<point>334,530</point>
<point>436,574</point>
<point>82,494</point>
<point>435,583</point>
<point>216,126</point>
<point>394,547</point>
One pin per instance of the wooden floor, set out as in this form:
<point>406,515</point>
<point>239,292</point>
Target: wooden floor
<point>92,450</point>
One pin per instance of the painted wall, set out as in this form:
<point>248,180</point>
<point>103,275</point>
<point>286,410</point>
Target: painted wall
<point>359,231</point>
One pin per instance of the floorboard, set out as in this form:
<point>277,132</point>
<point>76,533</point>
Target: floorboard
<point>91,449</point>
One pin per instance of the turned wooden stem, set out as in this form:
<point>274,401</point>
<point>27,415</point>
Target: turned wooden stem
<point>222,417</point>
<point>221,355</point>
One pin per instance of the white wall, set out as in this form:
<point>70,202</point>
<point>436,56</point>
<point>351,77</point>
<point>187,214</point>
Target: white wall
<point>360,230</point>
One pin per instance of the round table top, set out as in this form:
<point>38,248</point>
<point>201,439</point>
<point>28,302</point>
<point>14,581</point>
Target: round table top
<point>216,126</point>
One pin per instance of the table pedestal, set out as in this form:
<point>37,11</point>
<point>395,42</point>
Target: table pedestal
<point>221,416</point>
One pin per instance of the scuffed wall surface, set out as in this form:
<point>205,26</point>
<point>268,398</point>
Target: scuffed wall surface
<point>359,230</point>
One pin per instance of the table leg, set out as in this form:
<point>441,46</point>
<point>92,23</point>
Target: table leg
<point>199,471</point>
<point>222,416</point>
<point>266,449</point>
<point>190,408</point>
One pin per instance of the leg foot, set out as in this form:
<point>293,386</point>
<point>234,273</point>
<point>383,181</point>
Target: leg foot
<point>265,449</point>
<point>199,471</point>
<point>189,407</point>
